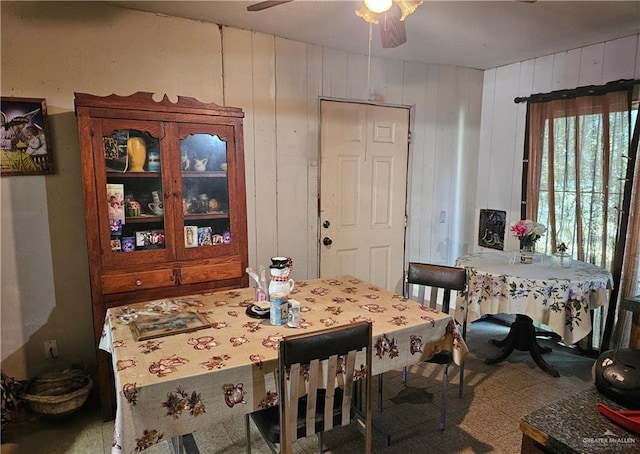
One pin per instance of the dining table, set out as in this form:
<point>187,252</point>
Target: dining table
<point>560,297</point>
<point>218,362</point>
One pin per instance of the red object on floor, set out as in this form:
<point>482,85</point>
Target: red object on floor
<point>628,419</point>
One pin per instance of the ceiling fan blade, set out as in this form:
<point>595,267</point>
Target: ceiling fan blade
<point>392,30</point>
<point>264,5</point>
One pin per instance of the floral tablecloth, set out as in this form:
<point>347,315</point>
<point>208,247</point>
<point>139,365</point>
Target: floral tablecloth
<point>175,385</point>
<point>557,297</point>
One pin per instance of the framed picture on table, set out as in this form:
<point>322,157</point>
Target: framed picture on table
<point>25,144</point>
<point>492,227</point>
<point>152,326</point>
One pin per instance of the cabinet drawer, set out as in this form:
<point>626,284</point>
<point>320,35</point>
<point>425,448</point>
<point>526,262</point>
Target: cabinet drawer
<point>137,280</point>
<point>211,272</point>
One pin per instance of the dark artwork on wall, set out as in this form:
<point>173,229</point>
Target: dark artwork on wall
<point>491,232</point>
<point>25,146</point>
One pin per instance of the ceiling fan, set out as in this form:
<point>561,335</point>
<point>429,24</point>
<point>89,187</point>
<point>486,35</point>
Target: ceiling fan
<point>388,14</point>
<point>264,5</point>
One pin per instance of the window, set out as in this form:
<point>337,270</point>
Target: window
<point>576,172</point>
<point>581,192</point>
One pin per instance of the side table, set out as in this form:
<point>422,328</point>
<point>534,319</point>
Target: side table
<point>632,305</point>
<point>574,426</point>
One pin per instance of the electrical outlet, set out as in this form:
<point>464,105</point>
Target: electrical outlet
<point>50,349</point>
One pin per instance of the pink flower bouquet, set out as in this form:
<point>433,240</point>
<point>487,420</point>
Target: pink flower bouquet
<point>528,231</point>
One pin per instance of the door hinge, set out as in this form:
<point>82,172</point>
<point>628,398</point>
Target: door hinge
<point>409,138</point>
<point>406,220</point>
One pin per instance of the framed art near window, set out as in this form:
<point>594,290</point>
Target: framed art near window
<point>491,231</point>
<point>25,144</point>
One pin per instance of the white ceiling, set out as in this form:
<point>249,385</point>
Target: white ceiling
<point>476,34</point>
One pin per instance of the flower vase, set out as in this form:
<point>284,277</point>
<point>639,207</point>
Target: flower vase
<point>526,254</point>
<point>137,152</point>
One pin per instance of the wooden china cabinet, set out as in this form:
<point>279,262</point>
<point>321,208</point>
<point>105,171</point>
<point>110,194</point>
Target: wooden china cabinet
<point>165,203</point>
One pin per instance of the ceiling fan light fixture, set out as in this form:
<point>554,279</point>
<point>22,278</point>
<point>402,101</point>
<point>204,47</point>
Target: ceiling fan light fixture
<point>407,7</point>
<point>366,15</point>
<point>378,6</point>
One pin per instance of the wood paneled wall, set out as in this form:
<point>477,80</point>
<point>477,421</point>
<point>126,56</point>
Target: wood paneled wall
<point>503,121</point>
<point>279,83</point>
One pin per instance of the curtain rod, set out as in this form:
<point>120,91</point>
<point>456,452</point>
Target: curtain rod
<point>618,85</point>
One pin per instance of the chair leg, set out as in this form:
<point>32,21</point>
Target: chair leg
<point>247,428</point>
<point>176,444</point>
<point>464,337</point>
<point>443,405</point>
<point>380,393</point>
<point>320,444</point>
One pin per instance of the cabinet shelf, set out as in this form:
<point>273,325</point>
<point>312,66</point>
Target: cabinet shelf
<point>213,215</point>
<point>207,174</point>
<point>144,218</point>
<point>115,174</point>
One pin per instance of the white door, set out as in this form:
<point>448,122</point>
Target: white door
<point>363,174</point>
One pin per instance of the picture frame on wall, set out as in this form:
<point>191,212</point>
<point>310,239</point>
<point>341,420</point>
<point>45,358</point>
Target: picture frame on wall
<point>25,142</point>
<point>491,229</point>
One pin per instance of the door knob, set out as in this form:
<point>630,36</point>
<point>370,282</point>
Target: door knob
<point>327,241</point>
<point>326,224</point>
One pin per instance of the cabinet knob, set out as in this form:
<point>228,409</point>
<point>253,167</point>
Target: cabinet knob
<point>138,282</point>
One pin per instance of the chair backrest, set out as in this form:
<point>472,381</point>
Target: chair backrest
<point>443,280</point>
<point>323,360</point>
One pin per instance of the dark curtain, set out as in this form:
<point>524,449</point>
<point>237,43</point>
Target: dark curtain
<point>580,162</point>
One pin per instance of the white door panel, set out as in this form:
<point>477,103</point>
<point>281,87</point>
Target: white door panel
<point>382,188</point>
<point>363,191</point>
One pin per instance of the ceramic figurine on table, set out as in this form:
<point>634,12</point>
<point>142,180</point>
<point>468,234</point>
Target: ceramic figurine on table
<point>280,269</point>
<point>561,257</point>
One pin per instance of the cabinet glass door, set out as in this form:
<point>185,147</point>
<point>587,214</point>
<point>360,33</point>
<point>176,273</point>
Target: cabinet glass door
<point>205,191</point>
<point>134,191</point>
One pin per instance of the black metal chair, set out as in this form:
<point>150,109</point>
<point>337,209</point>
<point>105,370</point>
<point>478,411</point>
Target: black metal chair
<point>443,280</point>
<point>321,367</point>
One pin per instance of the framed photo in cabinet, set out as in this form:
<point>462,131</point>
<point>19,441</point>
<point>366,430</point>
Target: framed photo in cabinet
<point>25,144</point>
<point>190,235</point>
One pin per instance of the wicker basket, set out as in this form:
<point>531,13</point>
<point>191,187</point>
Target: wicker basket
<point>59,393</point>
